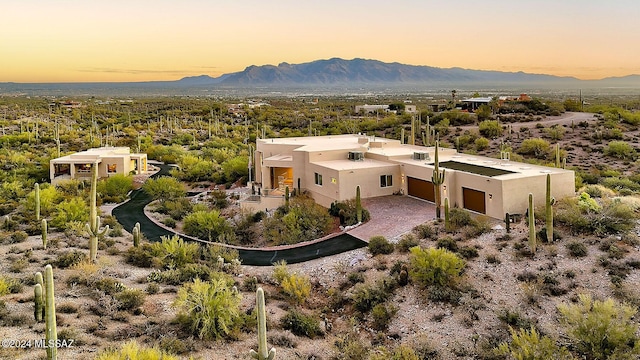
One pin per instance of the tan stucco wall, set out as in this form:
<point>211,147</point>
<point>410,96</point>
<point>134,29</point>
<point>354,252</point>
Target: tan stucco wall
<point>516,191</point>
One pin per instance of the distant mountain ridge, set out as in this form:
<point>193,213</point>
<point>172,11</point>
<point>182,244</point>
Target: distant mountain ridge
<point>334,73</point>
<point>337,71</point>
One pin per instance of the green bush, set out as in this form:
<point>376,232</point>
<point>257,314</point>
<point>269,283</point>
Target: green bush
<point>448,243</point>
<point>402,352</point>
<point>380,245</point>
<point>481,143</point>
<point>529,345</point>
<point>382,315</point>
<point>133,351</point>
<point>424,231</point>
<point>175,252</point>
<point>459,218</point>
<point>433,266</point>
<point>490,129</point>
<point>130,299</point>
<point>206,225</point>
<point>346,211</point>
<point>211,310</point>
<point>141,256</point>
<point>407,241</point>
<point>601,329</point>
<point>301,324</point>
<point>366,296</point>
<point>74,209</point>
<point>296,287</point>
<point>538,148</point>
<point>577,249</point>
<point>68,259</point>
<point>115,188</point>
<point>620,150</point>
<point>303,220</point>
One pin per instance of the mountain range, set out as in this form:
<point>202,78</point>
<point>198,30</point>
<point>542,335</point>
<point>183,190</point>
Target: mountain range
<point>353,73</point>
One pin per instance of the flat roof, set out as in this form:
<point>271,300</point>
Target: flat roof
<point>474,169</point>
<point>354,165</point>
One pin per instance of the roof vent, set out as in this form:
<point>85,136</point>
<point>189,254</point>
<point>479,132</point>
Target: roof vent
<point>356,156</point>
<point>421,156</point>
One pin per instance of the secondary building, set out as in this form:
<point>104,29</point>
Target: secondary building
<point>331,167</point>
<point>111,161</point>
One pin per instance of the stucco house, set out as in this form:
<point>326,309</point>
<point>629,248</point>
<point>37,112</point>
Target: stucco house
<point>330,168</point>
<point>111,161</point>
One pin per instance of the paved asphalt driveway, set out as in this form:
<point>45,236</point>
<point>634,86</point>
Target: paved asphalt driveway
<point>392,216</point>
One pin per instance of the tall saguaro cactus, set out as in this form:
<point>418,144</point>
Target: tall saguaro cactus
<point>37,198</point>
<point>549,210</point>
<point>51,333</point>
<point>93,227</point>
<point>532,225</point>
<point>262,353</point>
<point>358,205</point>
<point>38,297</point>
<point>437,179</point>
<point>447,222</point>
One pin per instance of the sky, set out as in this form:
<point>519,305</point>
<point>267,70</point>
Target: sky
<point>144,40</point>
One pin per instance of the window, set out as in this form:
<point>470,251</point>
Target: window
<point>318,179</point>
<point>386,180</point>
<point>111,168</point>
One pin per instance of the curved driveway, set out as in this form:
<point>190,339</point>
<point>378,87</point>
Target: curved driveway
<point>132,211</point>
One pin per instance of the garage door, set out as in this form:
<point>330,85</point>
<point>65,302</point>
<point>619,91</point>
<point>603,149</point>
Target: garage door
<point>420,188</point>
<point>473,200</point>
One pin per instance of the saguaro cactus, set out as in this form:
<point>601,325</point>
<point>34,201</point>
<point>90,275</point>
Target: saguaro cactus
<point>549,210</point>
<point>286,197</point>
<point>136,234</point>
<point>447,223</point>
<point>93,227</point>
<point>437,179</point>
<point>532,225</point>
<point>44,233</point>
<point>358,205</point>
<point>507,222</point>
<point>38,311</point>
<point>37,198</point>
<point>51,333</point>
<point>557,155</point>
<point>262,353</point>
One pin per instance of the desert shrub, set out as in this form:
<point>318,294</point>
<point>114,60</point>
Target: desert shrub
<point>622,185</point>
<point>356,277</point>
<point>481,143</point>
<point>620,150</point>
<point>366,296</point>
<point>301,324</point>
<point>209,309</point>
<point>382,315</point>
<point>302,220</point>
<point>448,243</point>
<point>401,352</point>
<point>169,222</point>
<point>207,225</point>
<point>515,319</point>
<point>175,252</point>
<point>4,286</point>
<point>18,237</point>
<point>133,351</point>
<point>351,347</point>
<point>424,231</point>
<point>380,245</point>
<point>459,218</point>
<point>280,271</point>
<point>406,242</point>
<point>346,211</point>
<point>584,215</point>
<point>115,188</point>
<point>129,299</point>
<point>468,252</point>
<point>68,259</point>
<point>601,329</point>
<point>534,147</point>
<point>435,266</point>
<point>490,129</point>
<point>108,285</point>
<point>529,345</point>
<point>71,210</point>
<point>152,288</point>
<point>141,256</point>
<point>296,287</point>
<point>213,251</point>
<point>597,191</point>
<point>577,249</point>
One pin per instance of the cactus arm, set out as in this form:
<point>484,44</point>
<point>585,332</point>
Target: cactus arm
<point>136,235</point>
<point>51,334</point>
<point>262,353</point>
